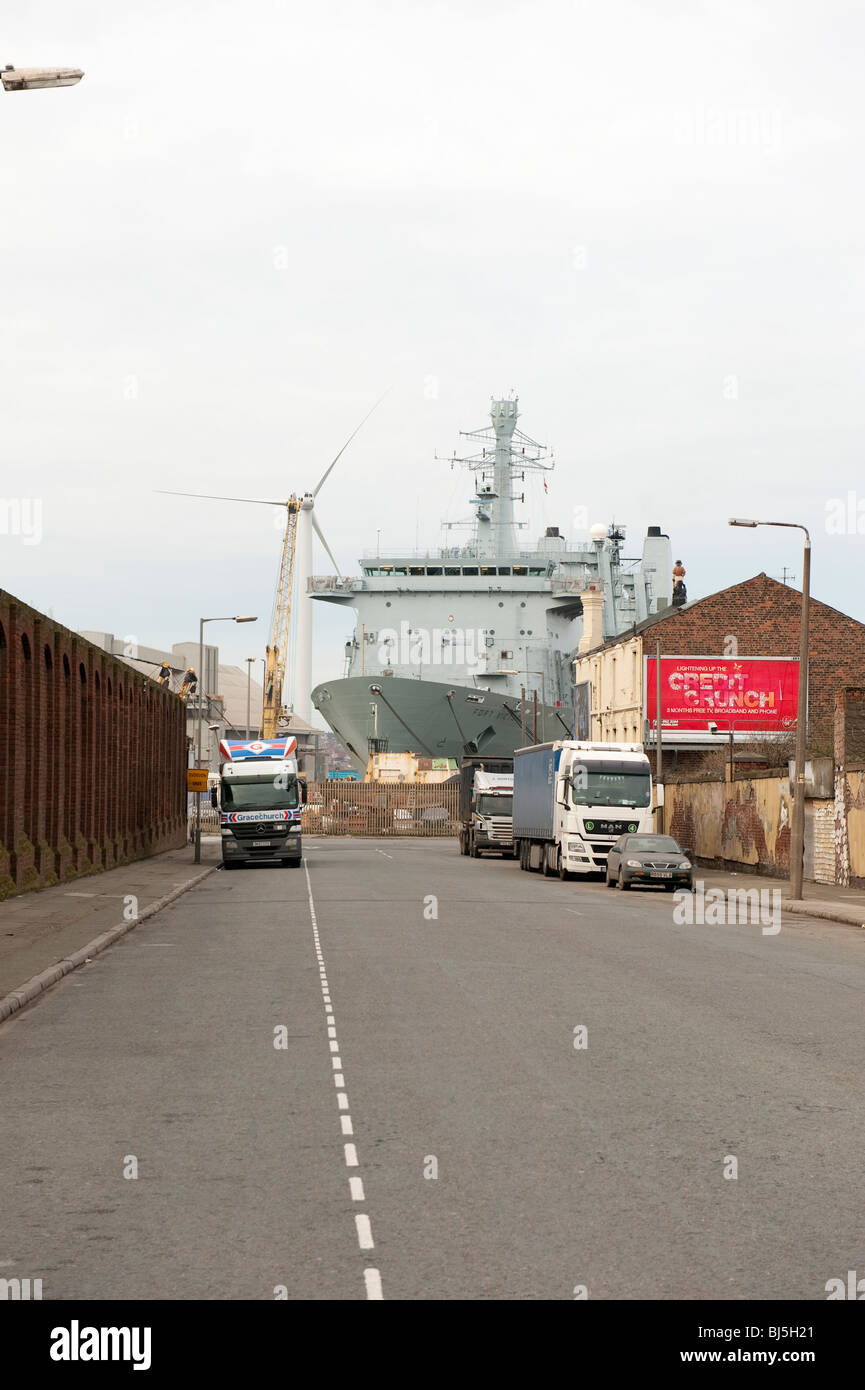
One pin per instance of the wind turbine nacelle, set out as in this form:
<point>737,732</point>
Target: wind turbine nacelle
<point>32,79</point>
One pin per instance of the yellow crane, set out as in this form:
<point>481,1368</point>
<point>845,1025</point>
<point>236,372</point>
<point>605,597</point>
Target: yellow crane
<point>277,652</point>
<point>273,708</point>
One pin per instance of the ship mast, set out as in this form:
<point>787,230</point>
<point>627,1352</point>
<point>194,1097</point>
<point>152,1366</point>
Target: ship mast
<point>502,463</point>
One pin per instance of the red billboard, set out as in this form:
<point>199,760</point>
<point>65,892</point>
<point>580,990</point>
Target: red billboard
<point>760,694</point>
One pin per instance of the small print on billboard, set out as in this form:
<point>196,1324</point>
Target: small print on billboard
<point>757,693</point>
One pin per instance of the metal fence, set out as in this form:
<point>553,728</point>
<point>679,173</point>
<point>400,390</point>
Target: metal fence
<point>365,808</point>
<point>376,808</point>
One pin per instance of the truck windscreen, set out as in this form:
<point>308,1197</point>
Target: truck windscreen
<point>496,805</point>
<point>258,794</point>
<point>593,787</point>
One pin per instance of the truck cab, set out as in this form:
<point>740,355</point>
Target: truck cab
<point>574,799</point>
<point>486,808</point>
<point>260,804</point>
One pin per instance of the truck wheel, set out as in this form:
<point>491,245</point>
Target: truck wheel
<point>563,872</point>
<point>546,866</point>
<point>474,852</point>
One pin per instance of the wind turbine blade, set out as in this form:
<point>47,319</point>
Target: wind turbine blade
<point>216,497</point>
<point>324,477</point>
<point>318,531</point>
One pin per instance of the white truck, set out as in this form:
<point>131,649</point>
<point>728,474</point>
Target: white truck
<point>486,806</point>
<point>260,803</point>
<point>572,800</point>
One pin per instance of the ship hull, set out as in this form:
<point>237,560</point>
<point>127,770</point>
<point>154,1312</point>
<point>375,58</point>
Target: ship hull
<point>431,718</point>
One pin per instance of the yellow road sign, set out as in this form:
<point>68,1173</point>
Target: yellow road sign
<point>196,779</point>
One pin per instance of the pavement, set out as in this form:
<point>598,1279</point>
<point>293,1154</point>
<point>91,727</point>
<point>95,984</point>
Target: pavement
<point>399,1072</point>
<point>38,930</point>
<point>826,900</point>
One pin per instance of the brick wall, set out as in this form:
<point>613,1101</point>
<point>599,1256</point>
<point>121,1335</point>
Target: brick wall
<point>92,756</point>
<point>763,616</point>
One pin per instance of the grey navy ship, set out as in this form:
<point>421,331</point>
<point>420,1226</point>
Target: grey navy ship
<point>470,649</point>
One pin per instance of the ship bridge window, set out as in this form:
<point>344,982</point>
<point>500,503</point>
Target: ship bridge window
<point>537,571</point>
<point>520,569</point>
<point>432,570</point>
<point>504,569</point>
<point>470,569</point>
<point>416,569</point>
<point>399,569</point>
<point>452,570</point>
<point>488,569</point>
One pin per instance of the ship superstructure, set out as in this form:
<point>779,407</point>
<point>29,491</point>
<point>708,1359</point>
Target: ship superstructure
<point>464,649</point>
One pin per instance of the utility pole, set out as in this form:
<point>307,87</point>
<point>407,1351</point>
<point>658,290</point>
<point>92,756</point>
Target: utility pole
<point>659,752</point>
<point>797,827</point>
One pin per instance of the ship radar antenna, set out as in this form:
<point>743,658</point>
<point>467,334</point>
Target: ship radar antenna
<point>506,454</point>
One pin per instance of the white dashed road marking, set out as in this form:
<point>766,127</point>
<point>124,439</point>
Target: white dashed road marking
<point>371,1277</point>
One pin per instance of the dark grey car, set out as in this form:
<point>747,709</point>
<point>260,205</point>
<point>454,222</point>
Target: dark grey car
<point>648,859</point>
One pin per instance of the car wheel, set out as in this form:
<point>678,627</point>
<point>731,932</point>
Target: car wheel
<point>620,882</point>
<point>609,882</point>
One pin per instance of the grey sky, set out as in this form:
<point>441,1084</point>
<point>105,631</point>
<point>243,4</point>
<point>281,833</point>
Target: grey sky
<point>248,220</point>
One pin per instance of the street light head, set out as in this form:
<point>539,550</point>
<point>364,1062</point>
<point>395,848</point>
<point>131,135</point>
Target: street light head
<point>33,79</point>
<point>246,620</point>
<point>740,521</point>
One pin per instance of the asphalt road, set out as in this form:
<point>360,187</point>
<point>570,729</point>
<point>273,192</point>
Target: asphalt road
<point>452,1046</point>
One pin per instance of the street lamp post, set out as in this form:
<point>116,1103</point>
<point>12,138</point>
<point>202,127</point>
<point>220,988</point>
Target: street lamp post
<point>797,829</point>
<point>201,698</point>
<point>249,661</point>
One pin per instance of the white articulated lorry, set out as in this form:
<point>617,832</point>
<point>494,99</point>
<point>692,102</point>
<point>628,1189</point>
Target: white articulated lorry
<point>260,798</point>
<point>573,800</point>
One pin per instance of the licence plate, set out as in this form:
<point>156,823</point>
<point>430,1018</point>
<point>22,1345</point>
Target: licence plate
<point>659,873</point>
<point>261,844</point>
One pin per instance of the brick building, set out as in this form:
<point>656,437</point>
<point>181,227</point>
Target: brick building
<point>92,756</point>
<point>761,616</point>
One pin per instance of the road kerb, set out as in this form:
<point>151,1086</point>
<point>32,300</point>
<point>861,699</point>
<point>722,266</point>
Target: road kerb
<point>806,907</point>
<point>38,984</point>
